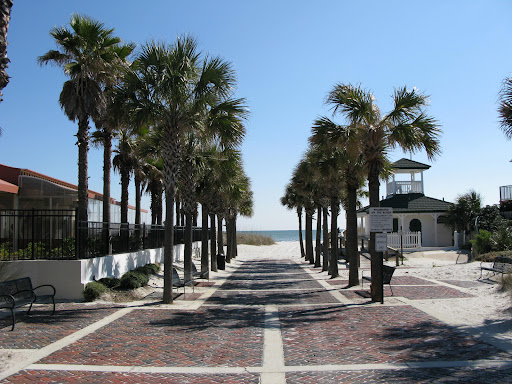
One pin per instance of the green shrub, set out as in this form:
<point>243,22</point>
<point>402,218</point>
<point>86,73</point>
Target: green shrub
<point>93,290</point>
<point>502,239</point>
<point>148,269</point>
<point>482,242</point>
<point>133,280</point>
<point>110,282</point>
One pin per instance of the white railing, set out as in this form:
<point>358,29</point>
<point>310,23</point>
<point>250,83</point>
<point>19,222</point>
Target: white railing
<point>403,187</point>
<point>409,240</point>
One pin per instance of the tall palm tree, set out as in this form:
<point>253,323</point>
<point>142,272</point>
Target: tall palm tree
<point>350,163</point>
<point>5,18</point>
<point>124,161</point>
<point>88,53</point>
<point>406,126</point>
<point>505,108</point>
<point>171,86</point>
<point>302,179</point>
<point>291,200</point>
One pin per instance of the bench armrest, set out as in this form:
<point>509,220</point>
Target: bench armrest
<point>46,285</point>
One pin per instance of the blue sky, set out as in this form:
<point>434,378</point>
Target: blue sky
<point>288,55</point>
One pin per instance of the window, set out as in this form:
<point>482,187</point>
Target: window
<point>395,225</point>
<point>415,225</point>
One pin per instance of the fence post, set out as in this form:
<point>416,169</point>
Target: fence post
<point>33,224</point>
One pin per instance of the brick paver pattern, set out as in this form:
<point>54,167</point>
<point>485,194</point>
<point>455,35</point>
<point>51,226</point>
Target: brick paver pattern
<point>228,332</point>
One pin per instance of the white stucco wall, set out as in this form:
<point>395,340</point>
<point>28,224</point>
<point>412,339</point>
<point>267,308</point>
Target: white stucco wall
<point>69,277</point>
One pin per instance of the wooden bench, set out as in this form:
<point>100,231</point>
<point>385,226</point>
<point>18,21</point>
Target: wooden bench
<point>19,292</point>
<point>387,274</point>
<point>500,265</point>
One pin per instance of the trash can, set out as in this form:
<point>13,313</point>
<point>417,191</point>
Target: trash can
<point>221,261</point>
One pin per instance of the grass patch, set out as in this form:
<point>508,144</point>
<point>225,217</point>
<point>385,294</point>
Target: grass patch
<point>489,257</point>
<point>254,239</point>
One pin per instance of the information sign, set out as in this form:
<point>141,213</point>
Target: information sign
<point>381,219</point>
<point>381,242</point>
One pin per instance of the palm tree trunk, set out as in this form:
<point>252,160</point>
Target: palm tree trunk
<point>213,243</point>
<point>178,214</point>
<point>301,241</point>
<point>168,247</point>
<point>318,247</point>
<point>83,198</point>
<point>351,240</point>
<point>125,230</point>
<point>220,237</point>
<point>187,254</point>
<point>229,239</point>
<point>107,168</point>
<point>137,231</point>
<point>334,238</point>
<point>377,289</point>
<point>204,240</point>
<point>325,248</point>
<point>309,236</point>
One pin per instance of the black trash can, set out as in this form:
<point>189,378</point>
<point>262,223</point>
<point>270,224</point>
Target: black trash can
<point>221,261</point>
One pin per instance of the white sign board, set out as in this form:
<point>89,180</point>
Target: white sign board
<point>381,219</point>
<point>381,242</point>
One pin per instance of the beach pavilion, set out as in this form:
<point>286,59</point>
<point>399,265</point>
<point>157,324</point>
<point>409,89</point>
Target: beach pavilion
<point>418,220</point>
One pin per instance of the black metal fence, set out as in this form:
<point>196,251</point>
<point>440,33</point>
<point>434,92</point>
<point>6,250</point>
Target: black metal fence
<point>54,234</point>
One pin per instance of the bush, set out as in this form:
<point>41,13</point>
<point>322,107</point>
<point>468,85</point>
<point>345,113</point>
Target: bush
<point>502,239</point>
<point>93,290</point>
<point>133,280</point>
<point>482,242</point>
<point>110,282</point>
<point>148,269</point>
<point>489,257</point>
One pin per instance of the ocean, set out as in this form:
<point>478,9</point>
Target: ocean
<point>290,235</point>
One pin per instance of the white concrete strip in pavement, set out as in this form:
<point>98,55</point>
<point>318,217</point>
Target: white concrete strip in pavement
<point>65,341</point>
<point>274,374</point>
<point>273,351</point>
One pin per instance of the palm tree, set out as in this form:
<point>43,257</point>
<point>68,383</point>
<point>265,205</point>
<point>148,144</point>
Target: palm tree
<point>349,161</point>
<point>5,18</point>
<point>505,108</point>
<point>291,200</point>
<point>171,86</point>
<point>124,161</point>
<point>305,187</point>
<point>406,126</point>
<point>89,54</point>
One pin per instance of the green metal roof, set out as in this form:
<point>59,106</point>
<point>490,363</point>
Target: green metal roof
<point>409,164</point>
<point>412,203</point>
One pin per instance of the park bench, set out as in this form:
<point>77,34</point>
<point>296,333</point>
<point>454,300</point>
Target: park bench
<point>387,274</point>
<point>199,274</point>
<point>19,292</point>
<point>500,265</point>
<point>179,283</point>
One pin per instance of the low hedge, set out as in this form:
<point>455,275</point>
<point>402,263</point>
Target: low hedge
<point>137,278</point>
<point>94,290</point>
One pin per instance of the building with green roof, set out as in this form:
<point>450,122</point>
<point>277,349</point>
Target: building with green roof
<point>421,219</point>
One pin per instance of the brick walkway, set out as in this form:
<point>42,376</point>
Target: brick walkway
<point>272,321</point>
